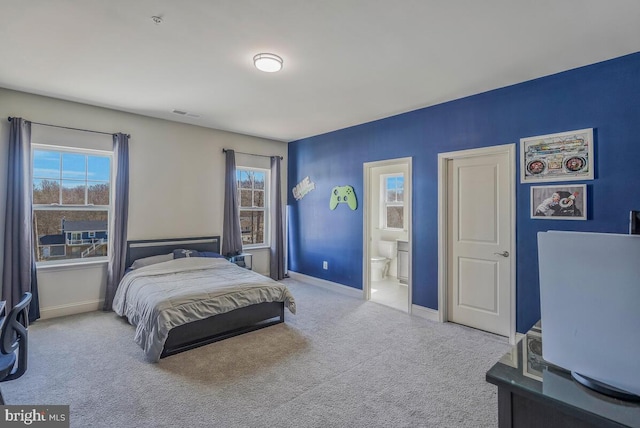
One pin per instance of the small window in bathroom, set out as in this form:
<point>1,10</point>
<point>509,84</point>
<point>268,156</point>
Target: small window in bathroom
<point>393,212</point>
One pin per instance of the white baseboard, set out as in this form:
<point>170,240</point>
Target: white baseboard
<point>71,309</point>
<point>333,286</point>
<point>417,310</point>
<point>426,313</point>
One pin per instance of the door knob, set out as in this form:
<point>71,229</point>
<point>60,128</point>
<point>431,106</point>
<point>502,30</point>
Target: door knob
<point>503,254</point>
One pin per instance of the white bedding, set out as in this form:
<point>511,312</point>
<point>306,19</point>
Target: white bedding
<point>159,297</point>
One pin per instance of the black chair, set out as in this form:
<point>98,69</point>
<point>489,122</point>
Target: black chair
<point>14,337</point>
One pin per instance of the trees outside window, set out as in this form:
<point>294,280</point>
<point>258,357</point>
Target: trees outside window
<point>71,203</point>
<point>253,200</point>
<point>393,201</point>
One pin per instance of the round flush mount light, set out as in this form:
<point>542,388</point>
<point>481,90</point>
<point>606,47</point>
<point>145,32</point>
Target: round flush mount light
<point>267,62</point>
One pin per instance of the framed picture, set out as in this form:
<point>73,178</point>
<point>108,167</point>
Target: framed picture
<point>559,202</point>
<point>557,157</point>
<point>532,362</point>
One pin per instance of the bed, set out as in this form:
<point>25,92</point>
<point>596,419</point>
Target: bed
<point>181,294</point>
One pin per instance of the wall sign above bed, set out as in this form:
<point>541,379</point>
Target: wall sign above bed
<point>302,188</point>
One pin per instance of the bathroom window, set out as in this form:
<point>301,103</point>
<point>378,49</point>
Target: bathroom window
<point>393,201</point>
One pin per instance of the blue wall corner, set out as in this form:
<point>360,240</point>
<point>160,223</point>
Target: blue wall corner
<point>604,96</point>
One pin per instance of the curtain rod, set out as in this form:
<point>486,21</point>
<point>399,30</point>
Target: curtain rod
<point>252,154</point>
<point>67,127</point>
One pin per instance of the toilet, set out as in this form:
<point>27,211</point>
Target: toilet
<point>380,264</point>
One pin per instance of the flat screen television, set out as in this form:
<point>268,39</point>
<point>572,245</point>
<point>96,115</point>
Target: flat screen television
<point>590,308</point>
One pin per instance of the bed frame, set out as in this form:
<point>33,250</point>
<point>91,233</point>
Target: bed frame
<point>216,327</point>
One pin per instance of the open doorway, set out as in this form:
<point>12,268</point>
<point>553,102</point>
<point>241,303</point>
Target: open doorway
<point>387,233</point>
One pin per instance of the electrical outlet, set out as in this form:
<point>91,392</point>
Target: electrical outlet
<point>325,265</point>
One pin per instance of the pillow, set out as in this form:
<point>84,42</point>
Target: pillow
<point>211,254</point>
<point>180,254</point>
<point>147,261</point>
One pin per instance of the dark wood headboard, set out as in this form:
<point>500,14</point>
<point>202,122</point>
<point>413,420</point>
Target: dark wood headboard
<point>153,247</point>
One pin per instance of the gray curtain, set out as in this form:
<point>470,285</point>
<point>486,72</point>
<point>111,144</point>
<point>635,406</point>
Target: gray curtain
<point>19,265</point>
<point>118,242</point>
<point>231,237</point>
<point>276,270</point>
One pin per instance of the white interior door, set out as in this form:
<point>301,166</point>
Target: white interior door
<point>480,225</point>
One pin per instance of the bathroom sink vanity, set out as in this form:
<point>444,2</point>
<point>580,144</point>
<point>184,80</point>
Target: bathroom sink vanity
<point>403,262</point>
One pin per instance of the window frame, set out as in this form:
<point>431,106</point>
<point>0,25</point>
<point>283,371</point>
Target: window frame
<point>266,209</point>
<point>384,204</point>
<point>72,207</point>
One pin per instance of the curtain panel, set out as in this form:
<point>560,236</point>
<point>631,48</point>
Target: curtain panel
<point>231,236</point>
<point>276,270</point>
<point>19,263</point>
<point>118,242</point>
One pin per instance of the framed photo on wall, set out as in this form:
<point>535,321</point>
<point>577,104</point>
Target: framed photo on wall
<point>559,202</point>
<point>557,157</point>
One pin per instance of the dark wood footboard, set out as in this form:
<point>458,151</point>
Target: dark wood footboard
<point>223,326</point>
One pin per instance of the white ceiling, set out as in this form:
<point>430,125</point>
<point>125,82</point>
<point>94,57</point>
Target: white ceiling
<point>346,62</point>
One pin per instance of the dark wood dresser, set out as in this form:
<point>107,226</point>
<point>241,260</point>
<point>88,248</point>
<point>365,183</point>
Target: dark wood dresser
<point>533,393</point>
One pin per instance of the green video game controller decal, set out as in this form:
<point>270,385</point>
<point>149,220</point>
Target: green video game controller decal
<point>343,195</point>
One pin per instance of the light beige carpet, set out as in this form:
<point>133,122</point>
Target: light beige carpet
<point>340,362</point>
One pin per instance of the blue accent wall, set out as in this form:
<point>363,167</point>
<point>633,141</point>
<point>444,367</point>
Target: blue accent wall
<point>604,96</point>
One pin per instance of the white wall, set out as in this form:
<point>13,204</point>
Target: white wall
<point>176,184</point>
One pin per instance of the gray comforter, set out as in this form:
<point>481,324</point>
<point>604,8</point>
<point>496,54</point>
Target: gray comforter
<point>159,297</point>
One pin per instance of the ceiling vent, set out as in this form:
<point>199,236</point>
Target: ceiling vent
<point>185,113</point>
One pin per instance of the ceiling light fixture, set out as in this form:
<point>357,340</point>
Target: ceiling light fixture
<point>156,20</point>
<point>267,62</point>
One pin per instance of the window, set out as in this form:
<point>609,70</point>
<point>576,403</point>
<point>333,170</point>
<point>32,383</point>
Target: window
<point>253,200</point>
<point>393,201</point>
<point>71,203</point>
